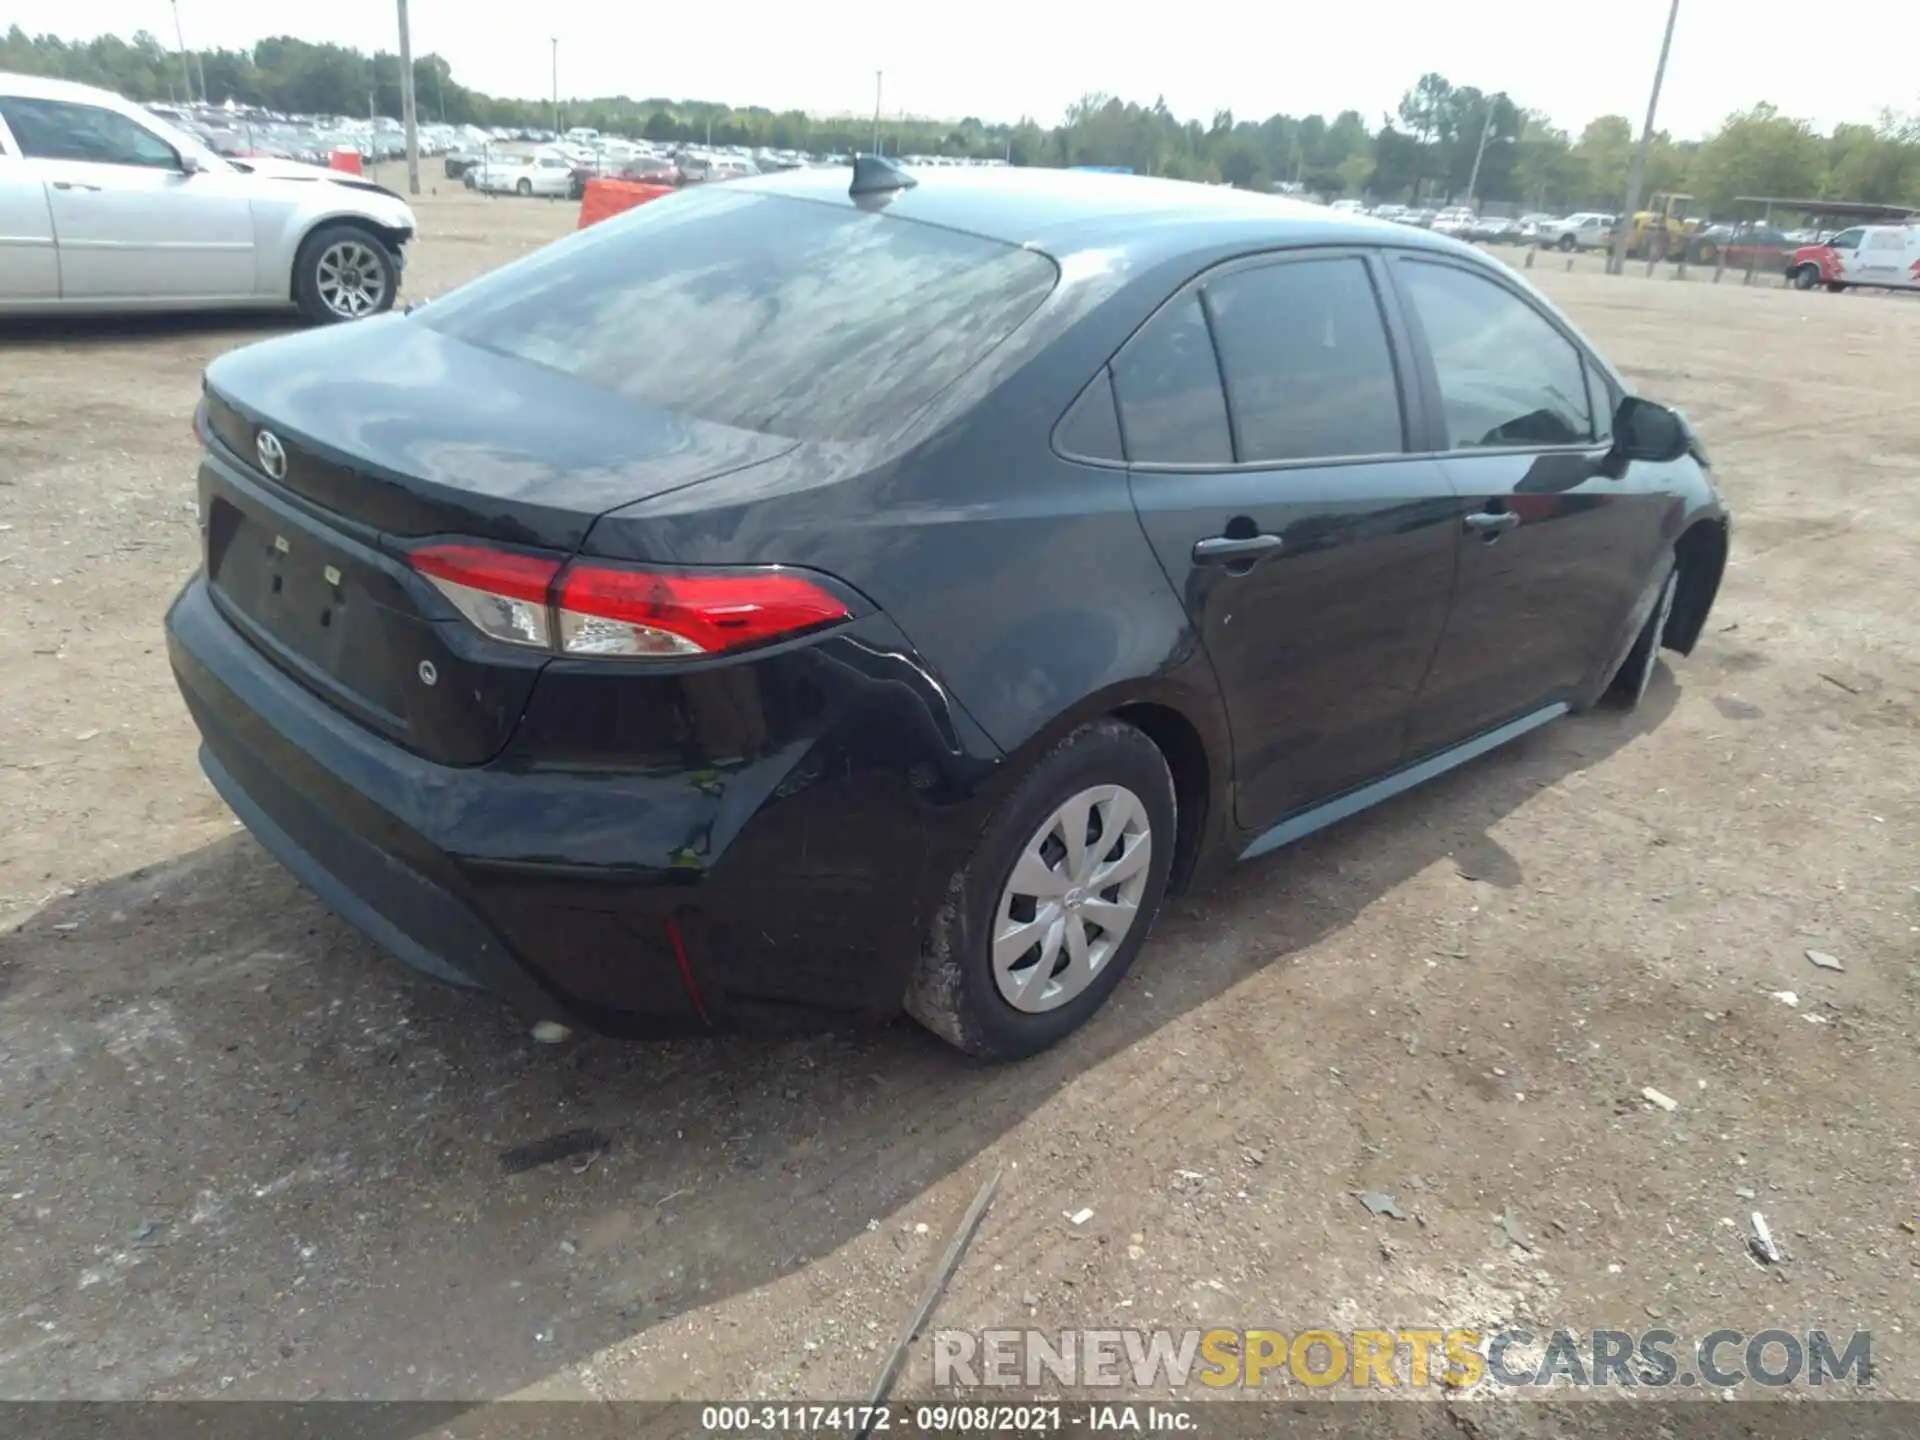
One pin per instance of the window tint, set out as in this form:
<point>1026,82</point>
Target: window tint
<point>1309,374</point>
<point>1886,240</point>
<point>1507,376</point>
<point>1091,428</point>
<point>56,130</point>
<point>770,314</point>
<point>1172,409</point>
<point>1847,239</point>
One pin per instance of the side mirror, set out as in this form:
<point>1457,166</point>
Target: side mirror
<point>190,164</point>
<point>1643,430</point>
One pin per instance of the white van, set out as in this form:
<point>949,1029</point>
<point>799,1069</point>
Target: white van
<point>1885,255</point>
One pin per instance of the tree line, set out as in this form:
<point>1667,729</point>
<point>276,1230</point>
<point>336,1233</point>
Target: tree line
<point>1441,142</point>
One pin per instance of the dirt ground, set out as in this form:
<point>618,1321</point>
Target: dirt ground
<point>244,1154</point>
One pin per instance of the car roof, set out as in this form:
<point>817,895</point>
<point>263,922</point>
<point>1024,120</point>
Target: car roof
<point>1062,212</point>
<point>41,87</point>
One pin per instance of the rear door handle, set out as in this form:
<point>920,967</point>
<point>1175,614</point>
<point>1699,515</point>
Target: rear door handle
<point>1226,550</point>
<point>1491,522</point>
<point>74,185</point>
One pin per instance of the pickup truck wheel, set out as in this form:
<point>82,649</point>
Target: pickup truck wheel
<point>1804,277</point>
<point>1567,242</point>
<point>344,272</point>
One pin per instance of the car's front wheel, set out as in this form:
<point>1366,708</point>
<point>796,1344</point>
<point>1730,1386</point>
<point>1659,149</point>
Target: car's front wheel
<point>525,187</point>
<point>1629,684</point>
<point>1567,242</point>
<point>1046,917</point>
<point>344,273</point>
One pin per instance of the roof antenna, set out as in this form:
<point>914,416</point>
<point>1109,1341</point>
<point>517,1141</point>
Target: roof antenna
<point>876,175</point>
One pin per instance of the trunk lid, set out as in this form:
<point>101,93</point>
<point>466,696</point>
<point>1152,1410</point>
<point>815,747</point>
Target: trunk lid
<point>382,433</point>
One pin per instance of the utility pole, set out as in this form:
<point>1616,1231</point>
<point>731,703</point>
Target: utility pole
<point>180,41</point>
<point>1486,130</point>
<point>556,86</point>
<point>878,76</point>
<point>1636,177</point>
<point>407,115</point>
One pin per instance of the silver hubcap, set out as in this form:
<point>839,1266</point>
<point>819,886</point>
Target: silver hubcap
<point>1072,897</point>
<point>352,279</point>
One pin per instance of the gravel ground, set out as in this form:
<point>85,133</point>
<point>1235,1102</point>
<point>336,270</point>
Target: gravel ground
<point>243,1154</point>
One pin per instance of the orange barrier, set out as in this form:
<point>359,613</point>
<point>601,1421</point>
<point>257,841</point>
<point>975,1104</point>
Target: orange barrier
<point>347,160</point>
<point>603,199</point>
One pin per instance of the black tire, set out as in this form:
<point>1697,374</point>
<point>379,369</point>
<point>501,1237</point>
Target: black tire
<point>1629,684</point>
<point>1804,277</point>
<point>525,187</point>
<point>1567,242</point>
<point>310,290</point>
<point>1657,247</point>
<point>1704,252</point>
<point>1834,287</point>
<point>953,992</point>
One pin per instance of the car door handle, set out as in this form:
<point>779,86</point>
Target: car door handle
<point>1226,549</point>
<point>1491,522</point>
<point>74,185</point>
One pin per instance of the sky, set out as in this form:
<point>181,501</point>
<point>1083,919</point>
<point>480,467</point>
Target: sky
<point>1001,60</point>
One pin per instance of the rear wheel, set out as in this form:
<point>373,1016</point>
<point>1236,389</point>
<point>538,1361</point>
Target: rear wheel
<point>525,187</point>
<point>1567,242</point>
<point>344,273</point>
<point>1629,684</point>
<point>1835,287</point>
<point>1049,913</point>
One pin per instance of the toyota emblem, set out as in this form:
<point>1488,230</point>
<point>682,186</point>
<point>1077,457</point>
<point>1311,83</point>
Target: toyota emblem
<point>273,455</point>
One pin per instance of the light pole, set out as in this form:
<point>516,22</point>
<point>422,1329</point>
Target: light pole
<point>556,86</point>
<point>1636,176</point>
<point>878,76</point>
<point>408,116</point>
<point>1486,130</point>
<point>180,41</point>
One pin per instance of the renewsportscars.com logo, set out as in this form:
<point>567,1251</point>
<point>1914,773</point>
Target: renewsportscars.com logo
<point>1390,1359</point>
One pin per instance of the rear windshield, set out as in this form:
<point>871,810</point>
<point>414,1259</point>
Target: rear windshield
<point>784,316</point>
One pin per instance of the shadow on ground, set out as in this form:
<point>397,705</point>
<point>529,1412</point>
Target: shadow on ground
<point>250,1156</point>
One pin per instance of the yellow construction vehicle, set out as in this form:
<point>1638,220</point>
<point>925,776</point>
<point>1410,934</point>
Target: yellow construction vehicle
<point>1664,229</point>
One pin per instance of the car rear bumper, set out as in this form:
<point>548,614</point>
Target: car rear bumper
<point>788,889</point>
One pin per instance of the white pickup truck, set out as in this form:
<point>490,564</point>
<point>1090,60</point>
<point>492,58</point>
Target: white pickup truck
<point>1585,230</point>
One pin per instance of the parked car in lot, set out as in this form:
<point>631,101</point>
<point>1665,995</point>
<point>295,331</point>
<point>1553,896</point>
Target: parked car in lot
<point>1739,246</point>
<point>104,206</point>
<point>1584,230</point>
<point>827,593</point>
<point>1457,221</point>
<point>1495,230</point>
<point>542,174</point>
<point>1885,256</point>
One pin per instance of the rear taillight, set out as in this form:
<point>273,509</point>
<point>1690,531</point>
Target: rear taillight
<point>591,608</point>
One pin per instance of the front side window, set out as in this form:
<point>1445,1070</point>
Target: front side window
<point>1507,377</point>
<point>1308,370</point>
<point>789,317</point>
<point>59,130</point>
<point>1848,239</point>
<point>1167,380</point>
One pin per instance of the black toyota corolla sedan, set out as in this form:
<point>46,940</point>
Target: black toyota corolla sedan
<point>844,591</point>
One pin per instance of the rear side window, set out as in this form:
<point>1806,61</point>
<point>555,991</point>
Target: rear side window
<point>1507,376</point>
<point>1308,369</point>
<point>1091,429</point>
<point>1172,409</point>
<point>784,316</point>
